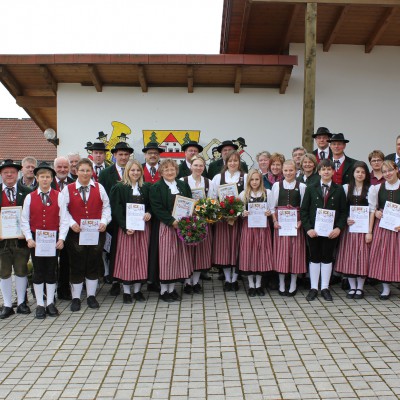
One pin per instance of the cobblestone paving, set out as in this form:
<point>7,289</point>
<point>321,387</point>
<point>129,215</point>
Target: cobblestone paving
<point>212,346</point>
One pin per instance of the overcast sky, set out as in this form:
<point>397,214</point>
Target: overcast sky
<point>104,26</point>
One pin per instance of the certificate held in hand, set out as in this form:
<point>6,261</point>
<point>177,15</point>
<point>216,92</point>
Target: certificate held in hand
<point>324,221</point>
<point>89,234</point>
<point>183,207</point>
<point>134,216</point>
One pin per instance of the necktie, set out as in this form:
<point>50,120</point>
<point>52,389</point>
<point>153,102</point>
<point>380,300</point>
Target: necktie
<point>45,198</point>
<point>152,171</point>
<point>325,190</point>
<point>122,172</point>
<point>322,155</point>
<point>337,164</point>
<point>11,194</point>
<point>398,163</point>
<point>84,190</point>
<point>98,169</point>
<point>61,184</point>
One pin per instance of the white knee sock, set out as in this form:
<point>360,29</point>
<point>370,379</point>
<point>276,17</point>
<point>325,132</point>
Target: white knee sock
<point>127,289</point>
<point>91,287</point>
<point>258,281</point>
<point>315,270</point>
<point>360,282</point>
<point>234,275</point>
<point>251,281</point>
<point>38,288</point>
<point>6,291</point>
<point>163,287</point>
<point>326,272</point>
<point>106,265</point>
<point>137,287</point>
<point>196,277</point>
<point>171,287</point>
<point>50,290</point>
<point>227,273</point>
<point>293,283</point>
<point>188,281</point>
<point>21,284</point>
<point>385,289</point>
<point>76,290</point>
<point>352,283</point>
<point>282,282</point>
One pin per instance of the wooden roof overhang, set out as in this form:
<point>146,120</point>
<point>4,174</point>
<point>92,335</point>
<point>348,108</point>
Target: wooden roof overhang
<point>268,26</point>
<point>32,79</point>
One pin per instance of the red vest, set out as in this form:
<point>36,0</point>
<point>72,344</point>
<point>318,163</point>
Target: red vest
<point>338,175</point>
<point>5,202</point>
<point>79,210</point>
<point>44,217</point>
<point>147,176</point>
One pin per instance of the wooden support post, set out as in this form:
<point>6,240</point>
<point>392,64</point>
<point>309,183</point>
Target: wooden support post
<point>310,49</point>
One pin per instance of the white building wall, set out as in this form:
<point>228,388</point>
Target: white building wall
<point>356,93</point>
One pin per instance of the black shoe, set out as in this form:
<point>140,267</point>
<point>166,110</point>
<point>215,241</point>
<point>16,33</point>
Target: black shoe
<point>166,297</point>
<point>51,310</point>
<point>235,286</point>
<point>252,292</point>
<point>23,308</point>
<point>115,289</point>
<point>284,293</point>
<point>312,295</point>
<point>326,294</point>
<point>359,294</point>
<point>64,294</point>
<point>127,298</point>
<point>350,294</point>
<point>197,288</point>
<point>75,305</point>
<point>138,296</point>
<point>188,289</point>
<point>107,279</point>
<point>40,312</point>
<point>384,296</point>
<point>92,302</point>
<point>153,287</point>
<point>292,294</point>
<point>175,296</point>
<point>228,287</point>
<point>260,291</point>
<point>204,276</point>
<point>6,312</point>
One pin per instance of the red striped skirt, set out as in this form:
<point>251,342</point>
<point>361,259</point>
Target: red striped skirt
<point>255,253</point>
<point>226,243</point>
<point>353,254</point>
<point>384,263</point>
<point>290,251</point>
<point>174,256</point>
<point>131,256</point>
<point>202,253</point>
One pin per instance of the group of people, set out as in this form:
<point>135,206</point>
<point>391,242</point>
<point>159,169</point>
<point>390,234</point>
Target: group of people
<point>76,190</point>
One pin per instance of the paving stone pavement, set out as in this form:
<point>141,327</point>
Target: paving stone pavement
<point>212,346</point>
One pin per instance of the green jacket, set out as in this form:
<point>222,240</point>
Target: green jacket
<point>161,201</point>
<point>216,166</point>
<point>314,199</point>
<point>109,177</point>
<point>121,195</point>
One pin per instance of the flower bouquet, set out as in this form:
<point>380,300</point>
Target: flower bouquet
<point>231,208</point>
<point>208,209</point>
<point>192,230</point>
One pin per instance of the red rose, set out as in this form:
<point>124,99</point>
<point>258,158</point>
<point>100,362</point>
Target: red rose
<point>222,204</point>
<point>189,234</point>
<point>231,211</point>
<point>187,220</point>
<point>231,200</point>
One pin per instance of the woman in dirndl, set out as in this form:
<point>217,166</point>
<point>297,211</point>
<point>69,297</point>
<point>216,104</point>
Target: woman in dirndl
<point>174,256</point>
<point>353,255</point>
<point>201,187</point>
<point>289,251</point>
<point>385,249</point>
<point>226,235</point>
<point>255,255</point>
<point>131,257</point>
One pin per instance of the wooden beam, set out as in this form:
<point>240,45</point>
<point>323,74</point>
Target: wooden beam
<point>238,79</point>
<point>48,77</point>
<point>9,81</point>
<point>39,120</point>
<point>380,29</point>
<point>245,23</point>
<point>142,79</point>
<point>339,21</point>
<point>333,2</point>
<point>285,80</point>
<point>190,78</point>
<point>310,52</point>
<point>95,77</point>
<point>37,101</point>
<point>292,21</point>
